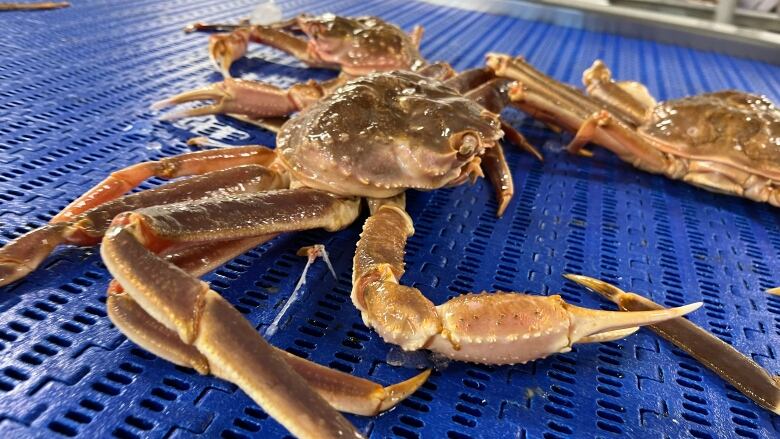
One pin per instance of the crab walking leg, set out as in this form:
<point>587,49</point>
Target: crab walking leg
<point>286,42</point>
<point>249,98</point>
<point>37,6</point>
<point>231,347</point>
<point>179,301</point>
<point>519,70</point>
<point>24,254</point>
<point>343,391</point>
<point>598,127</point>
<point>470,79</point>
<point>497,328</point>
<point>629,100</point>
<point>493,95</point>
<point>604,129</point>
<point>737,369</point>
<point>192,163</point>
<point>496,168</point>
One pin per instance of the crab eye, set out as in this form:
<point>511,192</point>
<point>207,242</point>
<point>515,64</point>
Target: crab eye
<point>468,145</point>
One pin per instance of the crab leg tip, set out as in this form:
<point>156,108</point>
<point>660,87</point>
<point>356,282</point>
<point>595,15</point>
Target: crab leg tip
<point>163,103</point>
<point>400,391</point>
<point>605,289</point>
<point>206,110</point>
<point>12,271</point>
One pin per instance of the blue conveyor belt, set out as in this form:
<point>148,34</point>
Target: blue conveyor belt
<point>75,86</point>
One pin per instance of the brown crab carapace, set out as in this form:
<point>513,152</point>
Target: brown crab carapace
<point>726,141</point>
<point>421,133</point>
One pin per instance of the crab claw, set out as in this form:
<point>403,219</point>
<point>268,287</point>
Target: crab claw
<point>225,48</point>
<point>589,323</point>
<point>248,98</point>
<point>487,328</point>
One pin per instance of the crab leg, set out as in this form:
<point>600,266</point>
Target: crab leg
<point>519,70</point>
<point>254,99</point>
<point>470,79</point>
<point>344,392</point>
<point>629,100</point>
<point>551,101</point>
<point>231,347</point>
<point>24,254</point>
<point>496,168</point>
<point>191,163</point>
<point>37,6</point>
<point>202,318</point>
<point>225,48</point>
<point>493,96</point>
<point>730,364</point>
<point>497,328</point>
<point>250,98</point>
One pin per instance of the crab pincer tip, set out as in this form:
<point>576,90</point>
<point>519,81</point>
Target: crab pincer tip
<point>398,392</point>
<point>604,289</point>
<point>159,105</point>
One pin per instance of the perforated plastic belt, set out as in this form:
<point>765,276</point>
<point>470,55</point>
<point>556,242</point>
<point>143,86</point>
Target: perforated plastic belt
<point>75,85</point>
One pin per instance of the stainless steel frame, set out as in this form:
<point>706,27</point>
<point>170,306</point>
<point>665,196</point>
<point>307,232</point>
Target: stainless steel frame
<point>599,15</point>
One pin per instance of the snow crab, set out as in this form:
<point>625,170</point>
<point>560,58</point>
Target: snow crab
<point>354,45</point>
<point>726,141</point>
<point>421,133</point>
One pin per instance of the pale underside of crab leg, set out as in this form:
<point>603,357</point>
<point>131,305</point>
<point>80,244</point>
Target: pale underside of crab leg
<point>737,369</point>
<point>192,163</point>
<point>519,70</point>
<point>489,328</point>
<point>24,254</point>
<point>200,317</point>
<point>344,392</point>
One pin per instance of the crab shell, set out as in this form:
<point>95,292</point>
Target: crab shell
<point>381,134</point>
<point>360,45</point>
<point>729,127</point>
